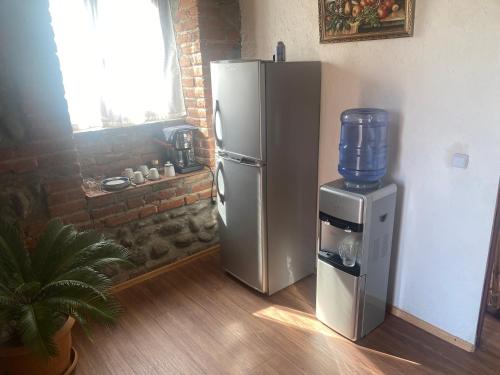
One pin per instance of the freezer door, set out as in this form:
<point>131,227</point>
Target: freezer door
<point>241,207</point>
<point>239,107</point>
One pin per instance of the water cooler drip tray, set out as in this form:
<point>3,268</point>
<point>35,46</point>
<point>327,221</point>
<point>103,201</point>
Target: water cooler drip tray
<point>335,260</point>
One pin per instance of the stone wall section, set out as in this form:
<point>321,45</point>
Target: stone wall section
<point>165,238</point>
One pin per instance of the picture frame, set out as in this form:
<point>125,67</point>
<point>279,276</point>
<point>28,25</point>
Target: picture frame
<point>358,20</point>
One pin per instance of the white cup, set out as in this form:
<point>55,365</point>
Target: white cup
<point>138,177</point>
<point>153,174</point>
<point>144,169</point>
<point>128,172</point>
<point>169,170</point>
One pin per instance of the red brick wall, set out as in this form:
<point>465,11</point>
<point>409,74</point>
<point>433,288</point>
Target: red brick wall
<point>154,197</point>
<point>206,30</point>
<point>42,158</point>
<point>108,152</point>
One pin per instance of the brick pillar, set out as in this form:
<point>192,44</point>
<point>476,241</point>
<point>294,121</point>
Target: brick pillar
<point>206,30</point>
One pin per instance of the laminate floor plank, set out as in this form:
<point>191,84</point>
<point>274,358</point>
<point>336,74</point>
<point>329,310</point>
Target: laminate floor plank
<point>196,319</point>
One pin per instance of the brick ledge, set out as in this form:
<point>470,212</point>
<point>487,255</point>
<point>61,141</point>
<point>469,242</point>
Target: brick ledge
<point>96,194</point>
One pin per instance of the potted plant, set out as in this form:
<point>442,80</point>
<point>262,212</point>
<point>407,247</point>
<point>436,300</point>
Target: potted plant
<point>44,291</point>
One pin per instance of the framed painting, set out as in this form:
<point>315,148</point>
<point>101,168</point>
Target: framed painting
<point>354,20</point>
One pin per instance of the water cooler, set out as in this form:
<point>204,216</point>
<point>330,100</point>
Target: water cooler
<point>354,257</point>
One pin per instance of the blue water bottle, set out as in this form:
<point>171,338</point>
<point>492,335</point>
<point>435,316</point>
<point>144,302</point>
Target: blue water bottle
<point>363,147</point>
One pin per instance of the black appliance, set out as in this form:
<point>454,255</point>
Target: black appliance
<point>180,150</point>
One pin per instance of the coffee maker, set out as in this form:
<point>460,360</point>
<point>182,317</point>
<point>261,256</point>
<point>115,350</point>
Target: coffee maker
<point>180,150</point>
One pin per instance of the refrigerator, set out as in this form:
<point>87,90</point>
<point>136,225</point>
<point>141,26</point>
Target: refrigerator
<point>266,119</point>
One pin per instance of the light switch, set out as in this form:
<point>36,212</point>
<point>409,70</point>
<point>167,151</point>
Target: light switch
<point>460,161</point>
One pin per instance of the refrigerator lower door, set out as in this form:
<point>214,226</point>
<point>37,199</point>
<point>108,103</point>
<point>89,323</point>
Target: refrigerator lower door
<point>339,300</point>
<point>241,207</point>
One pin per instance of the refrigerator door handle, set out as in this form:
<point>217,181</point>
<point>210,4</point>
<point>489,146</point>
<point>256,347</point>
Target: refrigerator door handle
<point>241,160</point>
<point>220,169</point>
<point>216,113</point>
<point>250,164</point>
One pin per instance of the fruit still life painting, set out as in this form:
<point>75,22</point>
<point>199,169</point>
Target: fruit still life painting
<point>354,20</point>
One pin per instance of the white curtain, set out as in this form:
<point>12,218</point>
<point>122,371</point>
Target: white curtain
<point>118,60</point>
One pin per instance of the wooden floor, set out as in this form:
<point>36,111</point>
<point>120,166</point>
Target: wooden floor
<point>198,320</point>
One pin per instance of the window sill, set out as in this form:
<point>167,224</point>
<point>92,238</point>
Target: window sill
<point>110,130</point>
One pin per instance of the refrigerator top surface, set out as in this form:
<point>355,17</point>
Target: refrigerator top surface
<point>235,61</point>
<point>242,61</point>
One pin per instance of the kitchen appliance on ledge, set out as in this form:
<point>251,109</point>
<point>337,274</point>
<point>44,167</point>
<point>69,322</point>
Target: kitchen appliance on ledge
<point>180,150</point>
<point>354,257</point>
<point>266,124</point>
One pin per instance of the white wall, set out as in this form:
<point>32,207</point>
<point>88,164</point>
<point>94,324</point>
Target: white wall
<point>442,88</point>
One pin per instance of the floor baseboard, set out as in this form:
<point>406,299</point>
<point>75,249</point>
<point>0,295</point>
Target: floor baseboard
<point>166,268</point>
<point>429,328</point>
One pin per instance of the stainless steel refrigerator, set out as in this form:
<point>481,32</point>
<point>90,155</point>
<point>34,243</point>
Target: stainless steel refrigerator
<point>266,124</point>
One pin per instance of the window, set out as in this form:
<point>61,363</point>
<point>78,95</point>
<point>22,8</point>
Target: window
<point>119,61</point>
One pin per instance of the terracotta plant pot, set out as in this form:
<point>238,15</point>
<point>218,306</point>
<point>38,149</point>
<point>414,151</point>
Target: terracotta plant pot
<point>21,361</point>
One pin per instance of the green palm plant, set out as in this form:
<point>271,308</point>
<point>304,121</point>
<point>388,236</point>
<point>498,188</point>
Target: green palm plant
<point>62,277</point>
